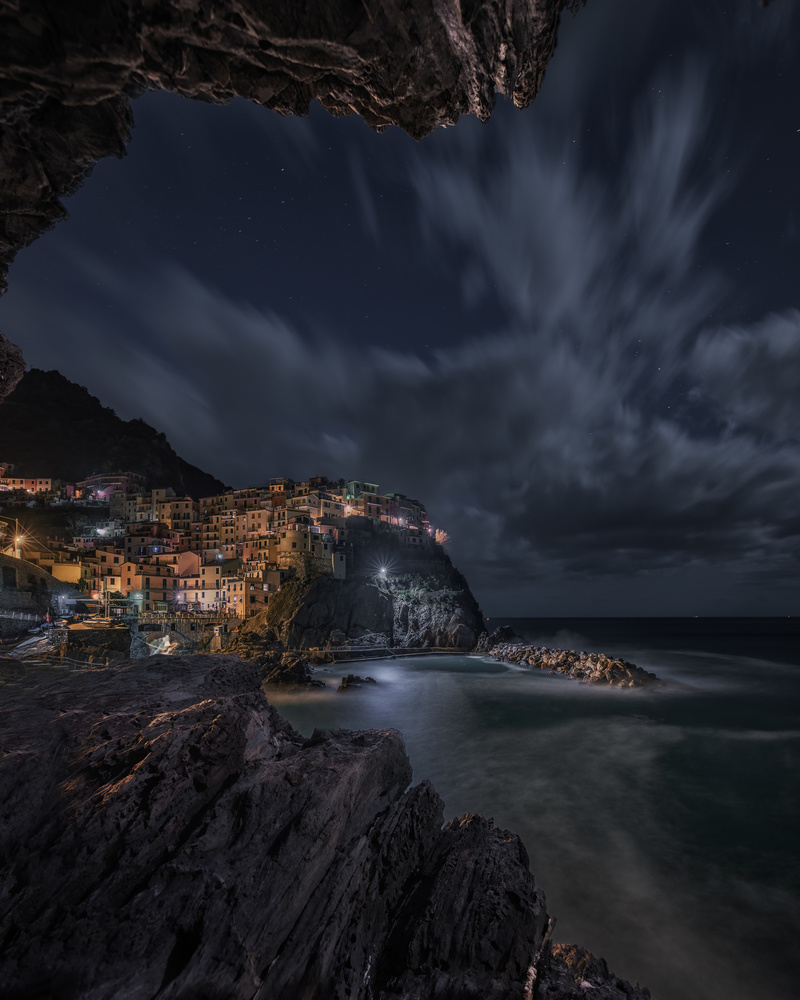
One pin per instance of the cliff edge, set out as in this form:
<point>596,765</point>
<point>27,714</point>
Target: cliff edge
<point>166,833</point>
<point>391,598</point>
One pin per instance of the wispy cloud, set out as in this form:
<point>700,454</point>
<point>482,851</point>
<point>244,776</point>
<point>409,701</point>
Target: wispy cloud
<point>600,435</point>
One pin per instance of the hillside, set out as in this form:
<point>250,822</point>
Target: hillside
<point>52,427</point>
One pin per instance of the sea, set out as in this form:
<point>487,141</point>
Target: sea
<point>663,824</point>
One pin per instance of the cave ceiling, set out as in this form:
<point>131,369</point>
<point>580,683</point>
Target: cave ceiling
<point>70,70</point>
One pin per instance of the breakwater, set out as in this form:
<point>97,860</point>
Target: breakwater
<point>591,668</point>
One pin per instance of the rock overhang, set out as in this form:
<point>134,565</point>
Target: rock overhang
<point>69,72</point>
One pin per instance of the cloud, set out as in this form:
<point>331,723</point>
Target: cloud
<point>600,441</point>
<point>541,461</point>
<point>752,375</point>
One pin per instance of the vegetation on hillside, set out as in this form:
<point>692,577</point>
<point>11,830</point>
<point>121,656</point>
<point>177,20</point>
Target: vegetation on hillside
<point>52,427</point>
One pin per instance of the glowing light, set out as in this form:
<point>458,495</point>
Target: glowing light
<point>383,570</point>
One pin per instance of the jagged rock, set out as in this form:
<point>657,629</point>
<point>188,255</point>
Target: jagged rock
<point>164,832</point>
<point>291,669</point>
<point>503,635</point>
<point>569,973</point>
<point>354,681</point>
<point>591,668</point>
<point>68,70</point>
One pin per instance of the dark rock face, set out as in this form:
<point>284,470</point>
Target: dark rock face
<point>429,606</point>
<point>572,972</point>
<point>69,69</point>
<point>164,832</point>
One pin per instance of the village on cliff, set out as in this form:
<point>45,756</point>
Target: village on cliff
<point>158,553</point>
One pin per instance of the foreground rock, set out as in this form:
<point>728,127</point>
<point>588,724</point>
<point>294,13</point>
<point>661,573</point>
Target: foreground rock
<point>165,833</point>
<point>592,668</point>
<point>275,665</point>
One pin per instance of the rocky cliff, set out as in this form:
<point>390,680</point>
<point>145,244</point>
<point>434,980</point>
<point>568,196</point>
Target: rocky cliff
<point>165,833</point>
<point>421,600</point>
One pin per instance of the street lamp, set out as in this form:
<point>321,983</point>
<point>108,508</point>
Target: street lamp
<point>18,538</point>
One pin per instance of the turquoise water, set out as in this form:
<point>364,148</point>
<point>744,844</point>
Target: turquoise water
<point>662,824</point>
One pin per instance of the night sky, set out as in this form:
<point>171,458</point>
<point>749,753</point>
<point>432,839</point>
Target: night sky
<point>574,332</point>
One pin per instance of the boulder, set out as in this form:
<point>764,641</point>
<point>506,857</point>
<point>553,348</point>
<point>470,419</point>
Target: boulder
<point>354,681</point>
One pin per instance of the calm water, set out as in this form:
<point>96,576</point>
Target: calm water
<point>663,825</point>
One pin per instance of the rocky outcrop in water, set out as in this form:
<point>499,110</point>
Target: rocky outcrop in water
<point>591,668</point>
<point>352,681</point>
<point>164,832</point>
<point>504,635</point>
<point>288,668</point>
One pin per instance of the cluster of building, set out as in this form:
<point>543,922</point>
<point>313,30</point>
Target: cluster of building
<point>158,552</point>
